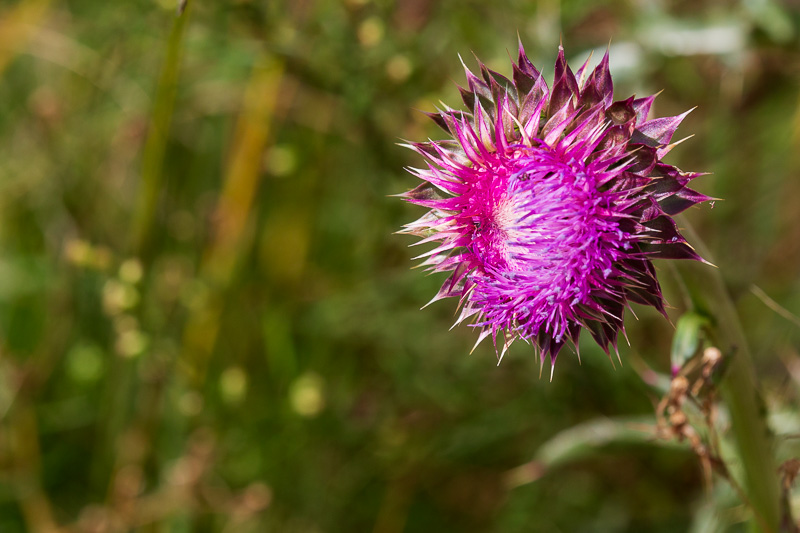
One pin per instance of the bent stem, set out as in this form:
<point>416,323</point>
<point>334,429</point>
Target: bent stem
<point>739,387</point>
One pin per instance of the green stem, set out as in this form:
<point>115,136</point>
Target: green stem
<point>157,135</point>
<point>739,388</point>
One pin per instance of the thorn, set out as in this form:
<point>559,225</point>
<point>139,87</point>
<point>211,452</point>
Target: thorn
<point>625,334</point>
<point>614,366</point>
<point>676,143</point>
<point>434,299</point>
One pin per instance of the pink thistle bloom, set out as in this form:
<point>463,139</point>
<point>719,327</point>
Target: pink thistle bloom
<point>548,205</point>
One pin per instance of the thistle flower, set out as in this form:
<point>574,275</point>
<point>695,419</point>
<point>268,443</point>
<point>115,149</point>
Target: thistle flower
<point>549,204</point>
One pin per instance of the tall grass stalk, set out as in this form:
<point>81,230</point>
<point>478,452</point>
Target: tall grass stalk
<point>155,145</point>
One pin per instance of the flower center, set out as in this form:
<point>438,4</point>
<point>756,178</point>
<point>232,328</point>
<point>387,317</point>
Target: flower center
<point>552,244</point>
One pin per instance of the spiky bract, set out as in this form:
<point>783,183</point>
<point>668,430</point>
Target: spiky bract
<point>548,205</point>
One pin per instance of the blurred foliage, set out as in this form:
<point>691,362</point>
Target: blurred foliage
<point>206,324</point>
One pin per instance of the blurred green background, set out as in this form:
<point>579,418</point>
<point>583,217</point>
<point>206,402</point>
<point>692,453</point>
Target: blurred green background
<point>206,323</point>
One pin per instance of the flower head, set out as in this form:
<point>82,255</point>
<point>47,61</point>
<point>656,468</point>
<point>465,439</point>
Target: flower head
<point>548,204</point>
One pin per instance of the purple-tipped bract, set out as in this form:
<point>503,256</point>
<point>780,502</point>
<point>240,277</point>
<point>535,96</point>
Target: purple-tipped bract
<point>548,205</point>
